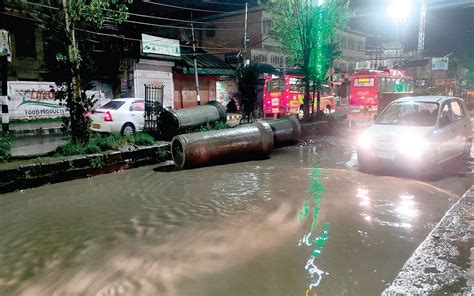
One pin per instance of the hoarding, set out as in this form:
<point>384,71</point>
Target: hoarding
<point>158,45</point>
<point>439,63</point>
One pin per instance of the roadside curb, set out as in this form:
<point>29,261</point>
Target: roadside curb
<point>442,263</point>
<point>76,167</point>
<point>37,132</point>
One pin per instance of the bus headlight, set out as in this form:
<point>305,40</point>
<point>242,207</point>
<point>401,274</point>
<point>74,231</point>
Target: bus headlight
<point>412,146</point>
<point>365,141</point>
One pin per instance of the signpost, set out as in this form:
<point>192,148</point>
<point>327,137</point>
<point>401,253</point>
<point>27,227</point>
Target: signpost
<point>440,63</point>
<point>158,45</point>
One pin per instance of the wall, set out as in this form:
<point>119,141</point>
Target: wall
<point>185,90</point>
<point>154,72</point>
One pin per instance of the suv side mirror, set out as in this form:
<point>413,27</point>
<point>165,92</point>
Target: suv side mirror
<point>444,121</point>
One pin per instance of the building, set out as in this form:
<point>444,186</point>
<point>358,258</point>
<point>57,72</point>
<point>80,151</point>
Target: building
<point>227,31</point>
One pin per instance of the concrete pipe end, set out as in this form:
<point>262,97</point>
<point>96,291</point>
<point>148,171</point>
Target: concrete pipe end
<point>178,151</point>
<point>220,108</point>
<point>295,123</point>
<point>266,134</point>
<point>169,123</point>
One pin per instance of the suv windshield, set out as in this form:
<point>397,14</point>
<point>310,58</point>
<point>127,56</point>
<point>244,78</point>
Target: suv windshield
<point>113,105</point>
<point>409,113</point>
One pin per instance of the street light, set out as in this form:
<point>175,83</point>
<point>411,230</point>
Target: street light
<point>399,9</point>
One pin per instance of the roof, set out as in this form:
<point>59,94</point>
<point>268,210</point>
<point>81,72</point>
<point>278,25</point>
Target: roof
<point>207,63</point>
<point>430,99</point>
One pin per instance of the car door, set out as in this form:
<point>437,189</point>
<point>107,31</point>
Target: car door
<point>137,113</point>
<point>444,133</point>
<point>460,126</point>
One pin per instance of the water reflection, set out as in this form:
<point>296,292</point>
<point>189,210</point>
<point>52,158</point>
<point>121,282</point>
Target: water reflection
<point>315,189</point>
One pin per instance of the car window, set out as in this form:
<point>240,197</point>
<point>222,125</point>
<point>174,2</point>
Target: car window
<point>447,112</point>
<point>409,114</point>
<point>457,110</point>
<point>137,106</point>
<point>113,105</point>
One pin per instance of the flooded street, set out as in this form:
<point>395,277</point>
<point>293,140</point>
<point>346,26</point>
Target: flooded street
<point>221,230</point>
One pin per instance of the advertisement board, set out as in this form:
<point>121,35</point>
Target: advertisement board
<point>29,99</point>
<point>439,63</point>
<point>158,45</point>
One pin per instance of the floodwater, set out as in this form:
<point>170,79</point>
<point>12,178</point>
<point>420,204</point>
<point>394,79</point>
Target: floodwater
<point>221,230</point>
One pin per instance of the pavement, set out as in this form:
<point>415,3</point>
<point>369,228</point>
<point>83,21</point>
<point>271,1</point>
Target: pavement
<point>444,262</point>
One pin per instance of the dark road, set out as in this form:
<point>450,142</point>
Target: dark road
<point>222,230</point>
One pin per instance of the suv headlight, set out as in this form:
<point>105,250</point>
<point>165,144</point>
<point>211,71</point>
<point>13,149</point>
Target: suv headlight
<point>365,141</point>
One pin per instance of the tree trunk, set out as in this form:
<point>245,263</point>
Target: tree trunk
<point>318,103</point>
<point>307,98</point>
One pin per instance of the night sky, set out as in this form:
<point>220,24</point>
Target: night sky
<point>449,23</point>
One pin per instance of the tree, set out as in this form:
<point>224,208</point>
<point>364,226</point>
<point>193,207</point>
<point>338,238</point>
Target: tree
<point>248,80</point>
<point>70,61</point>
<point>305,29</point>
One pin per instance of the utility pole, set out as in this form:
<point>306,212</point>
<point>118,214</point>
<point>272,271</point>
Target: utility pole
<point>421,30</point>
<point>4,66</point>
<point>196,77</point>
<point>71,49</point>
<point>245,31</point>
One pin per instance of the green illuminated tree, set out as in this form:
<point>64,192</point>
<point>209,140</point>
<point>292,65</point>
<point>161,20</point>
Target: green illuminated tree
<point>68,53</point>
<point>305,29</point>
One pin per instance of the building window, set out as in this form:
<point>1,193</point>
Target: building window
<point>360,46</point>
<point>343,42</point>
<point>211,32</point>
<point>25,43</point>
<point>267,25</point>
<point>351,43</point>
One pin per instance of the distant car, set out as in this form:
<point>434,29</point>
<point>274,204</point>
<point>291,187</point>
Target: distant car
<point>416,133</point>
<point>119,116</point>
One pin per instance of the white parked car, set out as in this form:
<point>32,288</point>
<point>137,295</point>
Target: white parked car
<point>120,116</point>
<point>417,132</point>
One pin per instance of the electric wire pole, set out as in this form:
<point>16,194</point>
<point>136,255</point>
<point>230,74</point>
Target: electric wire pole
<point>196,77</point>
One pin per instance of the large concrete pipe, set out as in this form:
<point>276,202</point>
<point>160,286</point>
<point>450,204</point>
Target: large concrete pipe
<point>172,122</point>
<point>251,141</point>
<point>286,131</point>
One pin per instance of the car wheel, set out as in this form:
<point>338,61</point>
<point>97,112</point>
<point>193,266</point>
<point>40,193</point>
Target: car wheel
<point>467,149</point>
<point>363,164</point>
<point>128,129</point>
<point>300,113</point>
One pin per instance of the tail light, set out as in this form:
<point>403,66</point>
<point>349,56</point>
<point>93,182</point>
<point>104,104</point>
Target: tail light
<point>107,116</point>
<point>88,114</point>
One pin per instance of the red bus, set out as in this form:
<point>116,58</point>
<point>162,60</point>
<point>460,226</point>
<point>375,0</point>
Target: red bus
<point>284,95</point>
<point>368,84</point>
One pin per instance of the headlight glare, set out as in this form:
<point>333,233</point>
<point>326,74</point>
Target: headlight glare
<point>365,141</point>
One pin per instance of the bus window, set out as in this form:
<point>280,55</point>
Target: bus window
<point>281,85</point>
<point>268,85</point>
<point>364,82</point>
<point>295,85</point>
<point>382,84</point>
<point>274,85</point>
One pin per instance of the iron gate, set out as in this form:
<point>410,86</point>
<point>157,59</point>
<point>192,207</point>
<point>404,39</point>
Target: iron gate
<point>153,106</point>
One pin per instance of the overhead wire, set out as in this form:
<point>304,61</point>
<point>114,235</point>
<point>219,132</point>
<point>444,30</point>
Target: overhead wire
<point>139,40</point>
<point>184,8</point>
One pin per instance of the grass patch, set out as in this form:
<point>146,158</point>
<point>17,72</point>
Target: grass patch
<point>213,126</point>
<point>5,145</point>
<point>99,144</point>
